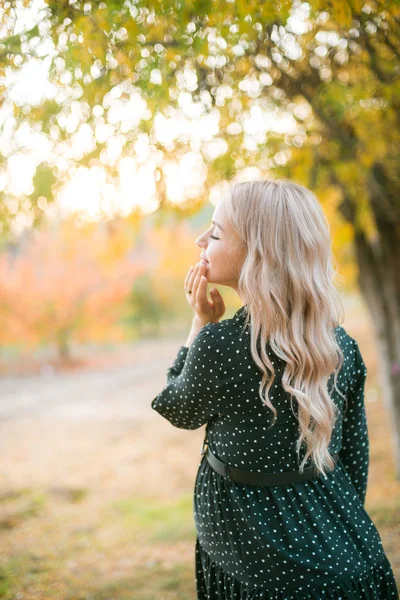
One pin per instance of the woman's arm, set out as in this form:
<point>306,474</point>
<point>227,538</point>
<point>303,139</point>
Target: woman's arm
<point>355,447</point>
<point>191,396</point>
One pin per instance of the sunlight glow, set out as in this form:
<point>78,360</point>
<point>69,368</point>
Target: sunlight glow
<point>90,189</point>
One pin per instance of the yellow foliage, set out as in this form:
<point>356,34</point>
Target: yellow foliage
<point>64,285</point>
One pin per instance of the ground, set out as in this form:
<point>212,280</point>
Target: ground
<point>96,488</point>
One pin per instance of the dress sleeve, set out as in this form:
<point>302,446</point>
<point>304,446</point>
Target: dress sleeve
<point>355,448</point>
<point>191,396</point>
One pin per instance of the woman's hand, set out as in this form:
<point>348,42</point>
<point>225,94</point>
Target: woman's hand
<point>196,283</point>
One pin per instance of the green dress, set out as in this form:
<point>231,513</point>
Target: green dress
<point>308,540</point>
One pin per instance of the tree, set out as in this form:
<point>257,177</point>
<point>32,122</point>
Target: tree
<point>238,64</point>
<point>66,283</point>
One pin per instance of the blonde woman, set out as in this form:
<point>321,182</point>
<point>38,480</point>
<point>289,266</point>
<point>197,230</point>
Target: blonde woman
<point>280,490</point>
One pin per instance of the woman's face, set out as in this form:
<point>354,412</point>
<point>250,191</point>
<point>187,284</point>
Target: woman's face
<point>222,249</point>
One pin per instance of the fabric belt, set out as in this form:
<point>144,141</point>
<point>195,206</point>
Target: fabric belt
<point>254,478</point>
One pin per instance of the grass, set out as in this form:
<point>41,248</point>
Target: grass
<point>102,510</point>
<point>385,516</point>
<point>91,563</point>
<point>167,583</point>
<point>141,549</point>
<point>24,504</point>
<point>162,521</point>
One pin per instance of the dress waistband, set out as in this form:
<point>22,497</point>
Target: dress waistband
<point>255,478</point>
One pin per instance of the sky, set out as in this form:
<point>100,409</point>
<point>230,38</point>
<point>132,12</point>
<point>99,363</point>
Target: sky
<point>89,190</point>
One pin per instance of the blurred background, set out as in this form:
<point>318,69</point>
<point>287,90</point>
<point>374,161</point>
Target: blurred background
<point>121,124</point>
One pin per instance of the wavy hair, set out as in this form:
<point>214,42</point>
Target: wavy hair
<point>286,280</point>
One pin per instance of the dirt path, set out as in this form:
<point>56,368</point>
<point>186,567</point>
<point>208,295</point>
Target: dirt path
<point>75,444</point>
<point>79,428</point>
<point>116,390</point>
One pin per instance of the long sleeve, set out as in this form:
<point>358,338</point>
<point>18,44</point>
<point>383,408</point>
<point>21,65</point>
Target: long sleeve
<point>191,396</point>
<point>355,447</point>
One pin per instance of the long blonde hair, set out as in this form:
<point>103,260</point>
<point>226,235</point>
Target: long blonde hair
<point>287,283</point>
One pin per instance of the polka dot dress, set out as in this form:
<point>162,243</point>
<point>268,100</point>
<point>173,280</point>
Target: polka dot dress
<point>307,540</point>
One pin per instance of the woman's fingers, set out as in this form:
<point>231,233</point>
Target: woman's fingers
<point>193,279</point>
<point>202,293</point>
<point>190,281</point>
<point>195,284</point>
<point>200,285</point>
<point>186,283</point>
<point>196,281</point>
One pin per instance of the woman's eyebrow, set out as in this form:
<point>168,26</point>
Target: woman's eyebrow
<point>218,225</point>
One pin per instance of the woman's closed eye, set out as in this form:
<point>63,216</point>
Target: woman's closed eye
<point>213,237</point>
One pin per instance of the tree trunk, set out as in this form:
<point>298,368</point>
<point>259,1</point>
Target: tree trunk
<point>64,351</point>
<point>379,282</point>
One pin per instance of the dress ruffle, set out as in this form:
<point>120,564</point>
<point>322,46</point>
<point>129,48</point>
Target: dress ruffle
<point>213,583</point>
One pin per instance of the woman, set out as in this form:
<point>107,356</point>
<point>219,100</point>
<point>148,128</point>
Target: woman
<point>279,494</point>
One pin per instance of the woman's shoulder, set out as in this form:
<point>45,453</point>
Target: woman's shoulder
<point>353,365</point>
<point>227,335</point>
<point>225,331</point>
<point>229,325</point>
<point>345,340</point>
<point>342,336</point>
<point>236,322</point>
